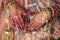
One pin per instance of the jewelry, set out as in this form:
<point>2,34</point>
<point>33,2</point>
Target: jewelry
<point>8,34</point>
<point>53,11</point>
<point>48,13</point>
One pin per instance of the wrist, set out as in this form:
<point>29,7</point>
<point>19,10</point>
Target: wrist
<point>47,13</point>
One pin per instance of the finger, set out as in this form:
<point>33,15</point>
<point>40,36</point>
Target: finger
<point>12,21</point>
<point>16,24</point>
<point>32,22</point>
<point>33,25</point>
<point>19,23</point>
<point>21,20</point>
<point>39,25</point>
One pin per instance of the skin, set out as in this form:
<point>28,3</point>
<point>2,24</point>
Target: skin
<point>35,23</point>
<point>38,21</point>
<point>3,25</point>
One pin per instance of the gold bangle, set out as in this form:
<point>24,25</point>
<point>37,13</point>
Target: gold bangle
<point>48,13</point>
<point>8,34</point>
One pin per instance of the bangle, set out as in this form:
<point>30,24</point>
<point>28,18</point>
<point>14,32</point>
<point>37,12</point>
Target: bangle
<point>48,14</point>
<point>53,11</point>
<point>50,11</point>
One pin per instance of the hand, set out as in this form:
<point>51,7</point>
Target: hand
<point>38,21</point>
<point>12,12</point>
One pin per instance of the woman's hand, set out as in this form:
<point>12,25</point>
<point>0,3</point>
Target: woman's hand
<point>38,21</point>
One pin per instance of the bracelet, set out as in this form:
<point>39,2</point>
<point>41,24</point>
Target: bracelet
<point>53,11</point>
<point>48,13</point>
